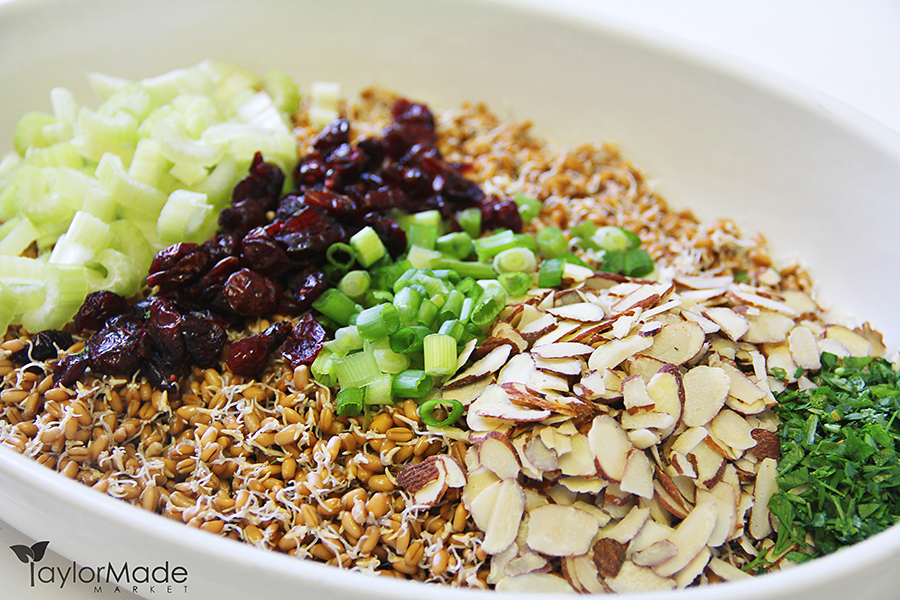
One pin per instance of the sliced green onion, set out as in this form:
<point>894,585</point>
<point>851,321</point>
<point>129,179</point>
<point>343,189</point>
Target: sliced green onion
<point>373,297</point>
<point>322,368</point>
<point>409,339</point>
<point>340,255</point>
<point>452,306</point>
<point>551,272</point>
<point>358,369</point>
<point>516,284</point>
<point>378,322</point>
<point>390,361</point>
<point>355,283</point>
<point>551,242</point>
<point>407,302</point>
<point>422,235</point>
<point>470,288</point>
<point>349,402</point>
<point>335,305</point>
<point>453,328</point>
<point>469,220</point>
<point>529,208</point>
<point>615,238</point>
<point>426,412</point>
<point>426,217</point>
<point>380,391</point>
<point>421,257</point>
<point>475,270</point>
<point>447,275</point>
<point>492,245</point>
<point>516,259</point>
<point>433,286</point>
<point>637,262</point>
<point>457,245</point>
<point>368,246</point>
<point>440,355</point>
<point>349,337</point>
<point>412,384</point>
<point>488,306</point>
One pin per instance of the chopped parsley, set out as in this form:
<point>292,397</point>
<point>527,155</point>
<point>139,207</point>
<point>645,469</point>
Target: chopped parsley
<point>839,474</point>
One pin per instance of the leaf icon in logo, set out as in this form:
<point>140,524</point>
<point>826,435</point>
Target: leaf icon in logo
<point>38,549</point>
<point>23,552</point>
<point>34,553</point>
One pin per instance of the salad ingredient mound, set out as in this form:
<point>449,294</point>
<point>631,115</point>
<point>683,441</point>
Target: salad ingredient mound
<point>431,345</point>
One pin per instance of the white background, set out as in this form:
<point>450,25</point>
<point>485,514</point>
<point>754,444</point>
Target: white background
<point>846,49</point>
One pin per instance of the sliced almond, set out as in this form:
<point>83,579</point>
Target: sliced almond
<point>507,506</point>
<point>637,478</point>
<point>732,324</point>
<point>667,392</point>
<point>611,354</point>
<point>709,464</point>
<point>496,452</point>
<point>723,496</point>
<point>580,460</point>
<point>768,327</point>
<point>635,396</point>
<point>708,325</point>
<point>610,447</point>
<point>563,330</point>
<point>538,327</point>
<point>629,526</point>
<point>562,350</point>
<point>490,363</point>
<point>804,350</point>
<point>582,312</point>
<point>705,391</point>
<point>538,454</point>
<point>569,367</point>
<point>644,296</point>
<point>634,579</point>
<point>608,556</point>
<point>495,403</point>
<point>690,538</point>
<point>734,430</point>
<point>693,569</point>
<point>677,343</point>
<point>656,554</point>
<point>535,583</point>
<point>726,570</point>
<point>856,344</point>
<point>765,303</point>
<point>519,369</point>
<point>705,282</point>
<point>558,530</point>
<point>467,394</point>
<point>741,386</point>
<point>581,573</point>
<point>763,490</point>
<point>415,476</point>
<point>644,365</point>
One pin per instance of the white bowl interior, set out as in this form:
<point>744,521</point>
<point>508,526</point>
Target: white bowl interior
<point>819,182</point>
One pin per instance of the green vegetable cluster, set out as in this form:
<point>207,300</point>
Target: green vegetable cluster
<point>839,475</point>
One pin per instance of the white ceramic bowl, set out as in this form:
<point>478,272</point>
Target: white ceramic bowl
<point>818,180</point>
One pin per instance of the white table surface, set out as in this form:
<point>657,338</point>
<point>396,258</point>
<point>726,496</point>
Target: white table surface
<point>846,49</point>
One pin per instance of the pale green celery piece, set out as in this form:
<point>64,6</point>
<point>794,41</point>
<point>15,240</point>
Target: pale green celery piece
<point>19,270</point>
<point>9,163</point>
<point>219,185</point>
<point>229,79</point>
<point>116,129</point>
<point>131,241</point>
<point>147,162</point>
<point>197,113</point>
<point>278,147</point>
<point>184,217</point>
<point>50,214</point>
<point>104,85</point>
<point>283,91</point>
<point>145,129</point>
<point>66,287</point>
<point>90,231</point>
<point>176,146</point>
<point>166,87</point>
<point>29,131</point>
<point>189,175</point>
<point>259,110</point>
<point>67,252</point>
<point>139,200</point>
<point>116,272</point>
<point>132,98</point>
<point>18,238</point>
<point>65,108</point>
<point>99,203</point>
<point>60,154</point>
<point>74,185</point>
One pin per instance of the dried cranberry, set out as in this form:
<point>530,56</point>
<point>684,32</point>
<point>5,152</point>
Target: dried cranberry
<point>44,345</point>
<point>334,135</point>
<point>118,348</point>
<point>177,265</point>
<point>500,214</point>
<point>250,294</point>
<point>263,185</point>
<point>242,216</point>
<point>70,369</point>
<point>309,233</point>
<point>335,204</point>
<point>307,286</point>
<point>160,375</point>
<point>383,199</point>
<point>204,337</point>
<point>248,356</point>
<point>97,308</point>
<point>260,252</point>
<point>462,192</point>
<point>222,246</point>
<point>163,325</point>
<point>304,343</point>
<point>311,170</point>
<point>345,165</point>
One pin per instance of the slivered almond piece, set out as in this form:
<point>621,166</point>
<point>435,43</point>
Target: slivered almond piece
<point>768,327</point>
<point>456,473</point>
<point>726,570</point>
<point>767,444</point>
<point>562,350</point>
<point>414,476</point>
<point>604,385</point>
<point>709,464</point>
<point>800,301</point>
<point>539,327</point>
<point>491,363</point>
<point>643,365</point>
<point>689,573</point>
<point>741,387</point>
<point>804,349</point>
<point>667,392</point>
<point>704,282</point>
<point>656,554</point>
<point>519,369</point>
<point>637,477</point>
<point>688,440</point>
<point>496,452</point>
<point>734,430</point>
<point>763,490</point>
<point>652,532</point>
<point>581,573</point>
<point>629,526</point>
<point>507,506</point>
<point>722,495</point>
<point>467,394</point>
<point>611,354</point>
<point>561,331</point>
<point>635,396</point>
<point>705,391</point>
<point>610,447</point>
<point>580,461</point>
<point>539,455</point>
<point>643,438</point>
<point>644,296</point>
<point>583,312</point>
<point>690,538</point>
<point>650,328</point>
<point>535,583</point>
<point>682,465</point>
<point>648,420</point>
<point>526,562</point>
<point>708,325</point>
<point>633,579</point>
<point>562,366</point>
<point>856,344</point>
<point>732,324</point>
<point>494,402</point>
<point>478,480</point>
<point>677,343</point>
<point>558,530</point>
<point>505,331</point>
<point>764,303</point>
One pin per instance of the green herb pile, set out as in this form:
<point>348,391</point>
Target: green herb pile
<point>839,473</point>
